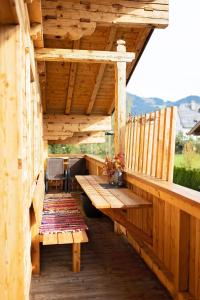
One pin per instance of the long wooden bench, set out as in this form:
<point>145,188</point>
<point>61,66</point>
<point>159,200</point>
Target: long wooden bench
<point>47,237</point>
<point>74,238</point>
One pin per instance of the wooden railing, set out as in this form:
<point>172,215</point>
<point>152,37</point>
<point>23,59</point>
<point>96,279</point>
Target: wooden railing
<point>149,147</point>
<point>173,224</point>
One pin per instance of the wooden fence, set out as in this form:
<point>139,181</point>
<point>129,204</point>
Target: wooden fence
<point>149,147</point>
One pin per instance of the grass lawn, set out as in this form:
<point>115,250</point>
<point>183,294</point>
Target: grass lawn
<point>181,162</point>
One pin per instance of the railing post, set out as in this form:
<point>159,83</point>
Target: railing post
<point>120,101</point>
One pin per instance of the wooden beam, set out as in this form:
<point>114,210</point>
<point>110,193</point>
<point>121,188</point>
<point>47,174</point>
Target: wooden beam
<point>67,19</point>
<point>88,56</point>
<point>120,101</point>
<point>35,16</point>
<point>72,77</point>
<point>102,68</point>
<point>78,138</point>
<point>76,123</point>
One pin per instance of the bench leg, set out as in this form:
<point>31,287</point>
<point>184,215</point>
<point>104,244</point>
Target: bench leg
<point>76,257</point>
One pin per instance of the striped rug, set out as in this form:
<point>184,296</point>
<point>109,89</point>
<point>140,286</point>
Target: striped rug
<point>61,214</point>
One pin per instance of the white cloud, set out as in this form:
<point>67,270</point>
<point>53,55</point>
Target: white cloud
<point>170,65</point>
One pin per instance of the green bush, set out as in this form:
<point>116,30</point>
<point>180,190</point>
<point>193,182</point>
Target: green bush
<point>187,177</point>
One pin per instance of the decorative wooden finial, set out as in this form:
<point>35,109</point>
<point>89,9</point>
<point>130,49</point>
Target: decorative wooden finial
<point>121,46</point>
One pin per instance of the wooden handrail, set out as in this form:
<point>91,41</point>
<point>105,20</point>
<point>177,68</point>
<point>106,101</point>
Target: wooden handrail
<point>184,198</point>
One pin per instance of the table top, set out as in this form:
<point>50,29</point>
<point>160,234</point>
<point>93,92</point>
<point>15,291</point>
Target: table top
<point>105,196</point>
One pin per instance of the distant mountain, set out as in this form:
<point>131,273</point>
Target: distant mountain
<point>188,108</point>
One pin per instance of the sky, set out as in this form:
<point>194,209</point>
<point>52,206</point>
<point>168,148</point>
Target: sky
<point>170,65</point>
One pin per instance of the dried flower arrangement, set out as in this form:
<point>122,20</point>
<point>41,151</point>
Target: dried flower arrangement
<point>113,164</point>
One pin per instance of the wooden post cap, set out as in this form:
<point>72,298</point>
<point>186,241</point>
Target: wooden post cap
<point>121,46</point>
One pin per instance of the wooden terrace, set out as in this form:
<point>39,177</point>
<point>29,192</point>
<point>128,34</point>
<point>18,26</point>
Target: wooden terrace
<point>64,66</point>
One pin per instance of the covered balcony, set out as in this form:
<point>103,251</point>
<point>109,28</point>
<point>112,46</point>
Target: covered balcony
<point>64,67</point>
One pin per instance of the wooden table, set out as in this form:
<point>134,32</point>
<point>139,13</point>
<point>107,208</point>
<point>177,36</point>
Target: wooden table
<point>103,196</point>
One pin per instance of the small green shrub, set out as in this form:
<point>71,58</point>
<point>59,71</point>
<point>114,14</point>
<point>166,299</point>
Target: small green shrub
<point>187,177</point>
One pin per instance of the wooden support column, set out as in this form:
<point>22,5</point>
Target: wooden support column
<point>120,101</point>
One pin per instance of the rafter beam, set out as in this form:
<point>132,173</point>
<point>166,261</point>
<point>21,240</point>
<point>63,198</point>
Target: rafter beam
<point>102,68</point>
<point>88,56</point>
<point>72,77</point>
<point>81,138</point>
<point>76,123</point>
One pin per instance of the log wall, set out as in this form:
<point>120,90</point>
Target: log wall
<point>20,158</point>
<point>173,224</point>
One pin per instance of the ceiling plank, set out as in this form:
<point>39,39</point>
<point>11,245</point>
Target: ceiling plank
<point>72,78</point>
<point>102,68</point>
<point>89,56</point>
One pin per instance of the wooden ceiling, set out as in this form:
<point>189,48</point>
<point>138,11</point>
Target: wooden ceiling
<point>81,88</point>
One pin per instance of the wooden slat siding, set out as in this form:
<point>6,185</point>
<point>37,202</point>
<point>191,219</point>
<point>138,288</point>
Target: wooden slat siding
<point>165,150</point>
<point>150,149</point>
<point>159,154</point>
<point>172,136</point>
<point>146,141</point>
<point>150,143</point>
<point>134,124</point>
<point>161,226</point>
<point>182,237</point>
<point>141,143</point>
<point>155,224</point>
<point>155,143</point>
<point>167,235</point>
<point>127,143</point>
<point>131,137</point>
<point>194,267</point>
<point>137,144</point>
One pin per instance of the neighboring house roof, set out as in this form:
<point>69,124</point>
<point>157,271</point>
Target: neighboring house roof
<point>189,114</point>
<point>195,130</point>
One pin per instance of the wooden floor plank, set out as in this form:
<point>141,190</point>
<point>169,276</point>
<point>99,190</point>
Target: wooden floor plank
<point>110,270</point>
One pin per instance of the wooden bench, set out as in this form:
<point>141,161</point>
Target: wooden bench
<point>74,235</point>
<point>74,238</point>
